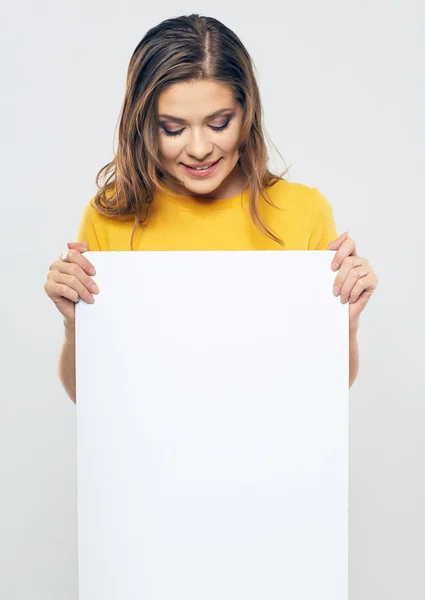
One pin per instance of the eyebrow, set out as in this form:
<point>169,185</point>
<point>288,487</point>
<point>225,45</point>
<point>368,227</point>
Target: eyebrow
<point>214,114</point>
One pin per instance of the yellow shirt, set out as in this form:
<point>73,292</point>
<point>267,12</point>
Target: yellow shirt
<point>306,222</point>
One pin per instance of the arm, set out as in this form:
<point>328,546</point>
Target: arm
<point>87,237</point>
<point>324,236</point>
<point>355,282</point>
<point>354,355</point>
<point>66,365</point>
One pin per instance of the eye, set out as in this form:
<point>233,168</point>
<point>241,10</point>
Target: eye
<point>175,133</point>
<point>172,133</point>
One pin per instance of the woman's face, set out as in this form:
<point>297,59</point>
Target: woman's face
<point>191,133</point>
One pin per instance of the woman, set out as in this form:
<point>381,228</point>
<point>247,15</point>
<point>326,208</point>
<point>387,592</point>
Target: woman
<point>190,173</point>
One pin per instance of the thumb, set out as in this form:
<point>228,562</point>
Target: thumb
<point>78,245</point>
<point>335,244</point>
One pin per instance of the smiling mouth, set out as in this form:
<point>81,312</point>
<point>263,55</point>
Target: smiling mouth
<point>204,166</point>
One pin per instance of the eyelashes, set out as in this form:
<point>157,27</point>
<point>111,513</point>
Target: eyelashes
<point>176,133</point>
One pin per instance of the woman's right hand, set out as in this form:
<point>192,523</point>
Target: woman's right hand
<point>69,280</point>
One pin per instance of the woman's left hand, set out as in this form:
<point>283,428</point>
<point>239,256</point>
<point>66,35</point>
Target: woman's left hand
<point>356,280</point>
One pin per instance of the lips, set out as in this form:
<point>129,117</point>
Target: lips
<point>206,164</point>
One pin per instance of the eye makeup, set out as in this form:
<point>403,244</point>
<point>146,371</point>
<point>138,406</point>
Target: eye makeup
<point>179,132</point>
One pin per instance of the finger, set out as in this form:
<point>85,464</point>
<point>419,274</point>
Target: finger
<point>347,248</point>
<point>365,284</point>
<point>335,244</point>
<point>63,280</point>
<point>353,277</point>
<point>359,265</point>
<point>75,270</point>
<point>79,245</point>
<point>74,255</point>
<point>57,291</point>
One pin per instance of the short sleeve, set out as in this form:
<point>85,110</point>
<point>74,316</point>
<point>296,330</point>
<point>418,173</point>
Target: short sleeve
<point>322,227</point>
<point>87,228</point>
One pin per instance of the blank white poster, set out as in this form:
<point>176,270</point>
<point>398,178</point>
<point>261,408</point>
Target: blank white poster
<point>212,428</point>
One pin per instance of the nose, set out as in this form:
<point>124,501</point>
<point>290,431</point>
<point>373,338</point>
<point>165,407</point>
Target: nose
<point>200,147</point>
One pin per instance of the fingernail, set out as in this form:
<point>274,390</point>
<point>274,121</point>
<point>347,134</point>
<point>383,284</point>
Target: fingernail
<point>334,266</point>
<point>64,255</point>
<point>92,271</point>
<point>336,291</point>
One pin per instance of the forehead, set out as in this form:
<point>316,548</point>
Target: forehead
<point>195,99</point>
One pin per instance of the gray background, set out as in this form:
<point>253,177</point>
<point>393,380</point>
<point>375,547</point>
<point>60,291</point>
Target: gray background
<point>343,94</point>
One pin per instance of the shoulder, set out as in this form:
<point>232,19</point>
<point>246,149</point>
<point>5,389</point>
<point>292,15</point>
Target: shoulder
<point>95,211</point>
<point>90,212</point>
<point>304,215</point>
<point>88,226</point>
<point>91,217</point>
<point>101,231</point>
<point>290,191</point>
<point>306,201</point>
<point>96,208</point>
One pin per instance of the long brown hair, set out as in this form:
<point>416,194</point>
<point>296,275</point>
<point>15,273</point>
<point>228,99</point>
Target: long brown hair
<point>184,48</point>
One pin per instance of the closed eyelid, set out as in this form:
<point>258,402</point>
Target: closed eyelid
<point>182,123</point>
<point>176,132</point>
<point>172,124</point>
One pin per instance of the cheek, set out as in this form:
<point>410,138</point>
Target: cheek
<point>168,150</point>
<point>228,143</point>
